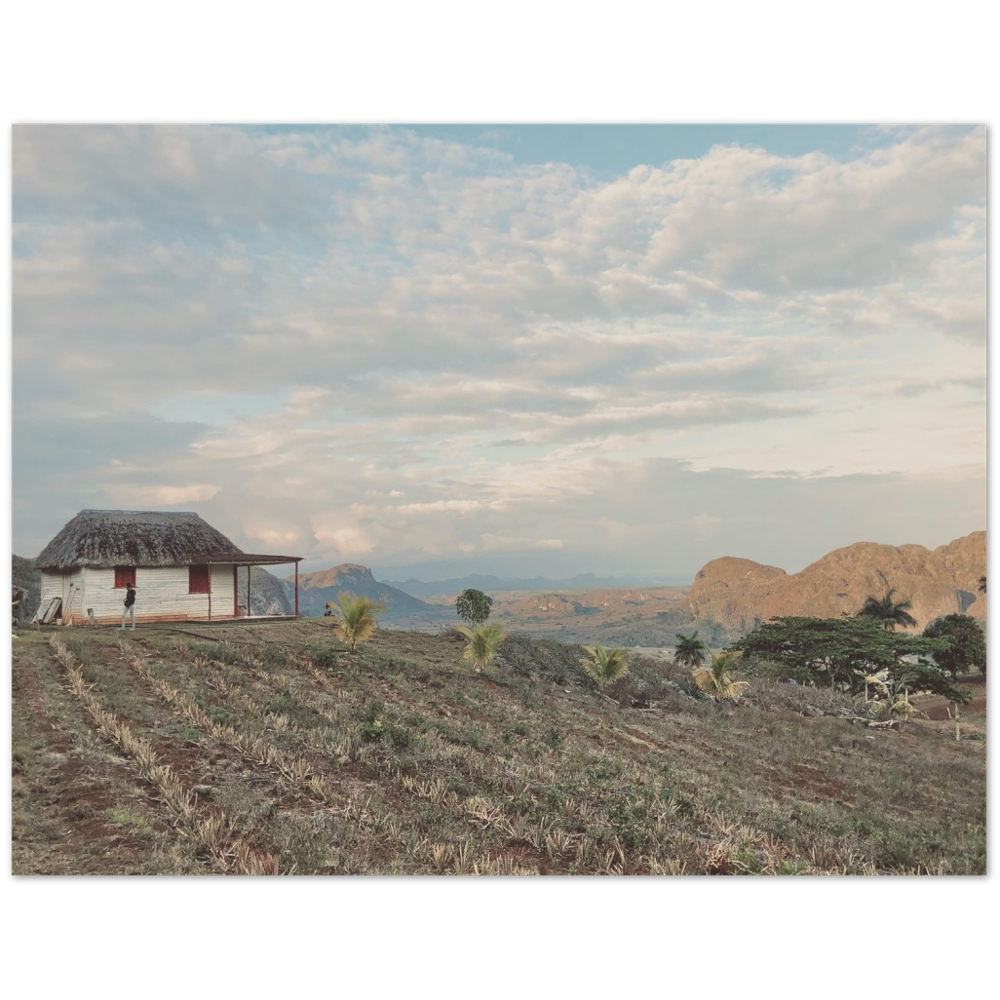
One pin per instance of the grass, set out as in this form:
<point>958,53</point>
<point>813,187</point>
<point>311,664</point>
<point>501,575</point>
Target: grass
<point>295,756</point>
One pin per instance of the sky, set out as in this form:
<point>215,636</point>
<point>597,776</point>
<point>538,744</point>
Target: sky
<point>520,350</point>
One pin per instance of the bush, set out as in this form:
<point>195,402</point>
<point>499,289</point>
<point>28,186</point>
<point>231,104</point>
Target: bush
<point>326,658</point>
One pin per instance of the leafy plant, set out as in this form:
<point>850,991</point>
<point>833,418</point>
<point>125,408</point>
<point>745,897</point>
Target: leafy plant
<point>605,665</point>
<point>484,642</point>
<point>358,618</point>
<point>473,606</point>
<point>690,651</point>
<point>716,679</point>
<point>372,731</point>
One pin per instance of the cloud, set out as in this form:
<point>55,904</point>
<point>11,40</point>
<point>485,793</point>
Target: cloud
<point>153,497</point>
<point>368,343</point>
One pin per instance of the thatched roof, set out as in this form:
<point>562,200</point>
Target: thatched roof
<point>100,539</point>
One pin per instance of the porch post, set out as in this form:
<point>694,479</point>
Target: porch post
<point>209,591</point>
<point>236,591</point>
<point>296,588</point>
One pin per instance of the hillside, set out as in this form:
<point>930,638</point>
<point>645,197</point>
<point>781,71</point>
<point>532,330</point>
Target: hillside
<point>315,589</point>
<point>24,574</point>
<point>649,616</point>
<point>739,593</point>
<point>269,748</point>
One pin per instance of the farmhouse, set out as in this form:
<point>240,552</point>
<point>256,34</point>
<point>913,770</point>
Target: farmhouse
<point>182,568</point>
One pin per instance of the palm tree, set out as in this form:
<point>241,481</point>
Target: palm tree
<point>605,665</point>
<point>483,643</point>
<point>690,650</point>
<point>716,680</point>
<point>358,618</point>
<point>887,611</point>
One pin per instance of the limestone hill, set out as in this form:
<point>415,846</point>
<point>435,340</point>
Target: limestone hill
<point>740,593</point>
<point>315,589</point>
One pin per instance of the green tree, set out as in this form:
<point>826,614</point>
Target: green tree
<point>887,611</point>
<point>604,665</point>
<point>484,642</point>
<point>717,680</point>
<point>839,651</point>
<point>966,649</point>
<point>690,650</point>
<point>358,618</point>
<point>473,606</point>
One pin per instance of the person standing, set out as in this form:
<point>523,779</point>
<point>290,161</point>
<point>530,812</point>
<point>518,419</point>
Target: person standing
<point>129,606</point>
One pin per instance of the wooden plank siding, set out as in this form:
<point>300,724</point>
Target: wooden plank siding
<point>161,595</point>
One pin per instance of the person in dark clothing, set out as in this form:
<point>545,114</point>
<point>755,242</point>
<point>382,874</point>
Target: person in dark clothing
<point>129,606</point>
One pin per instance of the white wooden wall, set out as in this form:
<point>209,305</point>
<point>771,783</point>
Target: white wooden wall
<point>161,594</point>
<point>66,586</point>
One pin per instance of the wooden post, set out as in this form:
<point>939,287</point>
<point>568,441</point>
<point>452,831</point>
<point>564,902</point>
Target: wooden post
<point>236,591</point>
<point>296,588</point>
<point>958,732</point>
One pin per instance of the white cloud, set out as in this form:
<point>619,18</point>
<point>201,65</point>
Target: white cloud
<point>436,350</point>
<point>134,494</point>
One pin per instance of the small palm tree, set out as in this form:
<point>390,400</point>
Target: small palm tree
<point>358,618</point>
<point>605,665</point>
<point>716,680</point>
<point>484,642</point>
<point>690,651</point>
<point>887,611</point>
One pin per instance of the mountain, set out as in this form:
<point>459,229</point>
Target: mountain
<point>315,589</point>
<point>477,581</point>
<point>740,593</point>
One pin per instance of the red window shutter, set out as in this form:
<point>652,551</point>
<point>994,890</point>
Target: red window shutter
<point>124,575</point>
<point>198,580</point>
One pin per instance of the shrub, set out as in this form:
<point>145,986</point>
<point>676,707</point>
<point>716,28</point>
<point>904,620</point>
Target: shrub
<point>604,665</point>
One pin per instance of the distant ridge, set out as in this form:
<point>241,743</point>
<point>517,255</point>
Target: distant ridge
<point>582,581</point>
<point>315,589</point>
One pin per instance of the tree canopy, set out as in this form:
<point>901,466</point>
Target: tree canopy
<point>473,606</point>
<point>838,651</point>
<point>966,649</point>
<point>690,650</point>
<point>888,612</point>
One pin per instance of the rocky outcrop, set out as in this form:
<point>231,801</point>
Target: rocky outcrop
<point>315,589</point>
<point>740,593</point>
<point>267,592</point>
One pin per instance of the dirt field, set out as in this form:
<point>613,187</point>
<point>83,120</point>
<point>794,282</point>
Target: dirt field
<point>270,749</point>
